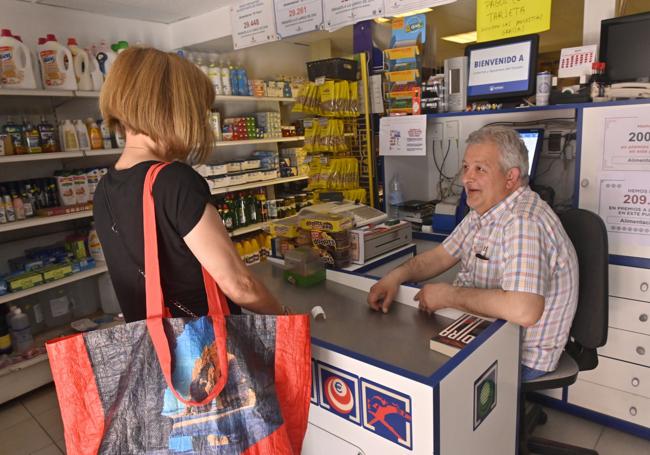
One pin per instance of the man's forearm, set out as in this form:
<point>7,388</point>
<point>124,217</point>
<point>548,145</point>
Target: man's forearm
<point>519,307</point>
<point>424,266</point>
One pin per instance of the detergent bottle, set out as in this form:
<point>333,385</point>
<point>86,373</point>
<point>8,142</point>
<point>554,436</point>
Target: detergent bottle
<point>105,57</point>
<point>121,46</point>
<point>57,65</point>
<point>16,70</point>
<point>81,64</point>
<point>95,74</point>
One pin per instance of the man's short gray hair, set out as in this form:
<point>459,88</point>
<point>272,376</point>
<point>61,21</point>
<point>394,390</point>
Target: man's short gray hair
<point>512,148</point>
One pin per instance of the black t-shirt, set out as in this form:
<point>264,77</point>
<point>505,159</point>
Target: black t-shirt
<point>180,196</point>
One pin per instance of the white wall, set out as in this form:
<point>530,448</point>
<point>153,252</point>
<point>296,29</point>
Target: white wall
<point>199,29</point>
<point>31,21</point>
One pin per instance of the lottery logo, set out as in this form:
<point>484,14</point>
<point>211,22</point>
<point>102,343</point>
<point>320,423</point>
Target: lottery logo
<point>338,392</point>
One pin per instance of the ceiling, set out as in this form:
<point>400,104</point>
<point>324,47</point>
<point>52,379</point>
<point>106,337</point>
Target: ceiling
<point>161,11</point>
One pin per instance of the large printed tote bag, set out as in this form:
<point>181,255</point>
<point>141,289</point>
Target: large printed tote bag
<point>218,384</point>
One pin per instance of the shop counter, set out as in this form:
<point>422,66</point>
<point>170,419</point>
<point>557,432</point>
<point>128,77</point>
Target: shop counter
<point>377,388</point>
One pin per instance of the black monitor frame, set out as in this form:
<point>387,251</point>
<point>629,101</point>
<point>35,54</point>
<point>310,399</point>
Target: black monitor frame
<point>538,150</point>
<point>604,35</point>
<point>532,67</point>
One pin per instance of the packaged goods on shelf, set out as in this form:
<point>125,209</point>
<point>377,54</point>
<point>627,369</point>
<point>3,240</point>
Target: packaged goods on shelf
<point>330,99</point>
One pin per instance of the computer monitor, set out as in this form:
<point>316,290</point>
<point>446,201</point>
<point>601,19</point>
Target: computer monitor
<point>624,43</point>
<point>503,69</point>
<point>533,140</point>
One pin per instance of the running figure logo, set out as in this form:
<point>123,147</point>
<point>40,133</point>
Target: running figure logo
<point>387,413</point>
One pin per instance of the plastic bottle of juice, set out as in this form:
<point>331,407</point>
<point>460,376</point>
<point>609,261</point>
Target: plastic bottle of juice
<point>240,250</point>
<point>255,248</point>
<point>248,252</point>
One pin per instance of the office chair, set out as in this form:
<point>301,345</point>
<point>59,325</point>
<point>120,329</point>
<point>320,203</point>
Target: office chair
<point>588,330</point>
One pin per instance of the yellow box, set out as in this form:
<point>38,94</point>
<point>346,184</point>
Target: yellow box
<point>403,76</point>
<point>327,222</point>
<point>55,272</point>
<point>399,53</point>
<point>24,281</point>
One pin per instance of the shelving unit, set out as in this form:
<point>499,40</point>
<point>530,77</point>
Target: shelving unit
<point>272,140</point>
<point>247,186</point>
<point>58,155</point>
<point>49,93</point>
<point>253,99</point>
<point>249,229</point>
<point>100,268</point>
<point>43,220</point>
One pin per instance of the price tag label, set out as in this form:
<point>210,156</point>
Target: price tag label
<point>339,13</point>
<point>298,16</point>
<point>252,23</point>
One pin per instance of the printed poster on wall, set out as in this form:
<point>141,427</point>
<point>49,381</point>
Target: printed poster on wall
<point>393,7</point>
<point>507,18</point>
<point>294,17</point>
<point>252,23</point>
<point>339,13</point>
<point>624,206</point>
<point>627,142</point>
<point>403,136</point>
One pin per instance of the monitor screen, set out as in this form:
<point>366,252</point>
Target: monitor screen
<point>624,43</point>
<point>533,139</point>
<point>502,69</point>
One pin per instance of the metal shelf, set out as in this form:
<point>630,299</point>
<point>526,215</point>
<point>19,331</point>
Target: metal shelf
<point>100,268</point>
<point>58,155</point>
<point>43,220</point>
<point>258,184</point>
<point>36,92</point>
<point>102,152</point>
<point>248,229</point>
<point>253,98</point>
<point>272,140</point>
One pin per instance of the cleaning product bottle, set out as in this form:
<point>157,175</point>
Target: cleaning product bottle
<point>39,64</point>
<point>94,134</point>
<point>395,197</point>
<point>225,79</point>
<point>120,139</point>
<point>105,58</point>
<point>94,246</point>
<point>10,213</point>
<point>121,46</point>
<point>47,133</point>
<point>95,74</point>
<point>81,64</point>
<point>106,135</point>
<point>16,69</point>
<point>15,132</point>
<point>32,137</point>
<point>21,333</point>
<point>82,135</point>
<point>69,139</point>
<point>214,73</point>
<point>234,85</point>
<point>57,66</point>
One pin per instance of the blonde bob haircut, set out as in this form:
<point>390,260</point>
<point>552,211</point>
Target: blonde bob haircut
<point>163,96</point>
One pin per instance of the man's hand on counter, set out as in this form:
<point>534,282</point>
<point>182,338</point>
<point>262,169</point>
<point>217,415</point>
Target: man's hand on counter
<point>382,293</point>
<point>433,297</point>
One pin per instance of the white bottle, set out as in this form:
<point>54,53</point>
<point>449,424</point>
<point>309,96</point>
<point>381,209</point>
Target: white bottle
<point>225,79</point>
<point>57,66</point>
<point>94,246</point>
<point>95,74</point>
<point>105,57</point>
<point>21,332</point>
<point>214,73</point>
<point>16,69</point>
<point>81,65</point>
<point>82,135</point>
<point>69,139</point>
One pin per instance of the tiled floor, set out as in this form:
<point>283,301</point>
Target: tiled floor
<point>32,425</point>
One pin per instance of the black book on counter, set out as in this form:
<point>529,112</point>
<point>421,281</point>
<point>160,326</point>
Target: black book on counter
<point>458,334</point>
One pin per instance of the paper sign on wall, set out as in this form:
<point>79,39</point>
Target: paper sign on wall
<point>252,23</point>
<point>624,206</point>
<point>393,7</point>
<point>294,17</point>
<point>576,61</point>
<point>403,136</point>
<point>506,18</point>
<point>627,143</point>
<point>339,13</point>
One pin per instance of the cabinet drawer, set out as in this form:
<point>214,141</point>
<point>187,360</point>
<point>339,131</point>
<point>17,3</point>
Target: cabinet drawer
<point>620,375</point>
<point>624,406</point>
<point>629,282</point>
<point>631,315</point>
<point>629,346</point>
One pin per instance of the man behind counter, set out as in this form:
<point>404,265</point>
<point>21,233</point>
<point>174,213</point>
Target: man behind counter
<point>517,262</point>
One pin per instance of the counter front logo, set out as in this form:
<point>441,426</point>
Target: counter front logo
<point>314,386</point>
<point>339,392</point>
<point>387,413</point>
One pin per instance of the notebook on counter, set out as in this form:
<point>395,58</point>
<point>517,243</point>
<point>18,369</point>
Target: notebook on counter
<point>458,334</point>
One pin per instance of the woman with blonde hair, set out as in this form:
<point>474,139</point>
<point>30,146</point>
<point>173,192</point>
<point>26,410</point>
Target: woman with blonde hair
<point>161,102</point>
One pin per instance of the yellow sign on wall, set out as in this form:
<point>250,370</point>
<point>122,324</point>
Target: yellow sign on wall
<point>497,19</point>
